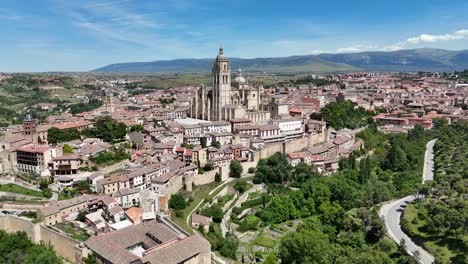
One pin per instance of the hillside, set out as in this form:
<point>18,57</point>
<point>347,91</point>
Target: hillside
<point>402,60</point>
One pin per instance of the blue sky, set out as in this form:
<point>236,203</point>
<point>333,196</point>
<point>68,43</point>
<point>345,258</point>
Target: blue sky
<point>62,35</point>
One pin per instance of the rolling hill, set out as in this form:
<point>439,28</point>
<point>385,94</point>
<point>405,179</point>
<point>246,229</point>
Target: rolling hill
<point>401,60</point>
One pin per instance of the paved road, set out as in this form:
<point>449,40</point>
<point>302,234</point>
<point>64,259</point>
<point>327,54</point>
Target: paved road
<point>428,172</point>
<point>391,211</point>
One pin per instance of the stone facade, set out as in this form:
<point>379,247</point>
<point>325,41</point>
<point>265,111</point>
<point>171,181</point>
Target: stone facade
<point>227,99</point>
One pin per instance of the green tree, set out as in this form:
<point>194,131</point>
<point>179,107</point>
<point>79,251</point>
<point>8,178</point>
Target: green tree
<point>91,259</point>
<point>177,202</point>
<point>67,149</point>
<point>275,169</point>
<point>55,135</point>
<point>229,247</point>
<point>216,144</point>
<point>107,129</point>
<point>235,168</point>
<point>306,246</point>
<point>137,128</point>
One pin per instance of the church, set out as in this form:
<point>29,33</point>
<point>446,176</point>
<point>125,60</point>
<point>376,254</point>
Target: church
<point>231,99</point>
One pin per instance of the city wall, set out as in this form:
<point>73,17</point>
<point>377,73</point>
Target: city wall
<point>291,146</point>
<point>205,178</point>
<point>64,246</point>
<point>267,151</point>
<point>18,206</point>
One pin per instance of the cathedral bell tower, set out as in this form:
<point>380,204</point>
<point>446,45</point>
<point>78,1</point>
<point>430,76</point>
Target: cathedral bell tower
<point>221,84</point>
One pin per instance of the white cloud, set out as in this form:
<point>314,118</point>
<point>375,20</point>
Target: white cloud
<point>316,51</point>
<point>356,48</point>
<point>425,38</point>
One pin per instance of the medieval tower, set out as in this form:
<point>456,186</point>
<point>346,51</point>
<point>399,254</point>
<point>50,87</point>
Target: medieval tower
<point>221,84</point>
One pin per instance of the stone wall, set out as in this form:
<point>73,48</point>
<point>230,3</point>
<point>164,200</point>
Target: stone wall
<point>267,151</point>
<point>249,164</point>
<point>290,146</point>
<point>114,167</point>
<point>9,205</point>
<point>64,246</point>
<point>205,178</point>
<point>13,224</point>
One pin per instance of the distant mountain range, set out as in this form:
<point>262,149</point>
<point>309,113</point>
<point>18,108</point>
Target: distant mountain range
<point>402,60</point>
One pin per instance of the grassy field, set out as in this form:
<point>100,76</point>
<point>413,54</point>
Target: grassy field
<point>447,249</point>
<point>265,242</point>
<point>13,188</point>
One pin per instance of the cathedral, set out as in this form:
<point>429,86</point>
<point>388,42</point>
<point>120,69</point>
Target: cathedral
<point>231,99</point>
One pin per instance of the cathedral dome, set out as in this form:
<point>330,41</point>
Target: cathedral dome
<point>239,78</point>
<point>220,54</point>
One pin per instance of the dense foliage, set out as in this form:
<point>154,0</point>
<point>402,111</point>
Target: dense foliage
<point>17,248</point>
<point>341,222</point>
<point>108,158</point>
<point>236,169</point>
<point>343,114</point>
<point>443,215</point>
<point>177,202</point>
<point>107,129</point>
<point>55,135</point>
<point>85,107</point>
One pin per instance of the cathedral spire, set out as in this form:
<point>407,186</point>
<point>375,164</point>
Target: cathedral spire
<point>221,50</point>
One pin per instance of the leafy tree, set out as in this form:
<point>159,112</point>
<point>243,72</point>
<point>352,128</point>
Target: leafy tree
<point>215,212</point>
<point>396,159</point>
<point>241,186</point>
<point>67,149</point>
<point>17,248</point>
<point>91,259</point>
<point>306,246</point>
<point>186,145</point>
<point>229,247</point>
<point>81,217</point>
<point>236,169</point>
<point>137,128</point>
<point>55,135</point>
<point>343,114</point>
<point>216,144</point>
<point>107,129</point>
<point>208,167</point>
<point>275,169</point>
<point>177,202</point>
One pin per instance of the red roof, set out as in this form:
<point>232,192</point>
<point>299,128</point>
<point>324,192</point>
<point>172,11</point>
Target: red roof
<point>35,148</point>
<point>296,155</point>
<point>180,149</point>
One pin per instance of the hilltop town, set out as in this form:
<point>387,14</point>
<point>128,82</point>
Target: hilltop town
<point>111,168</point>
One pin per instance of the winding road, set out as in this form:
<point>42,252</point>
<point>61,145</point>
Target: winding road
<point>391,211</point>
